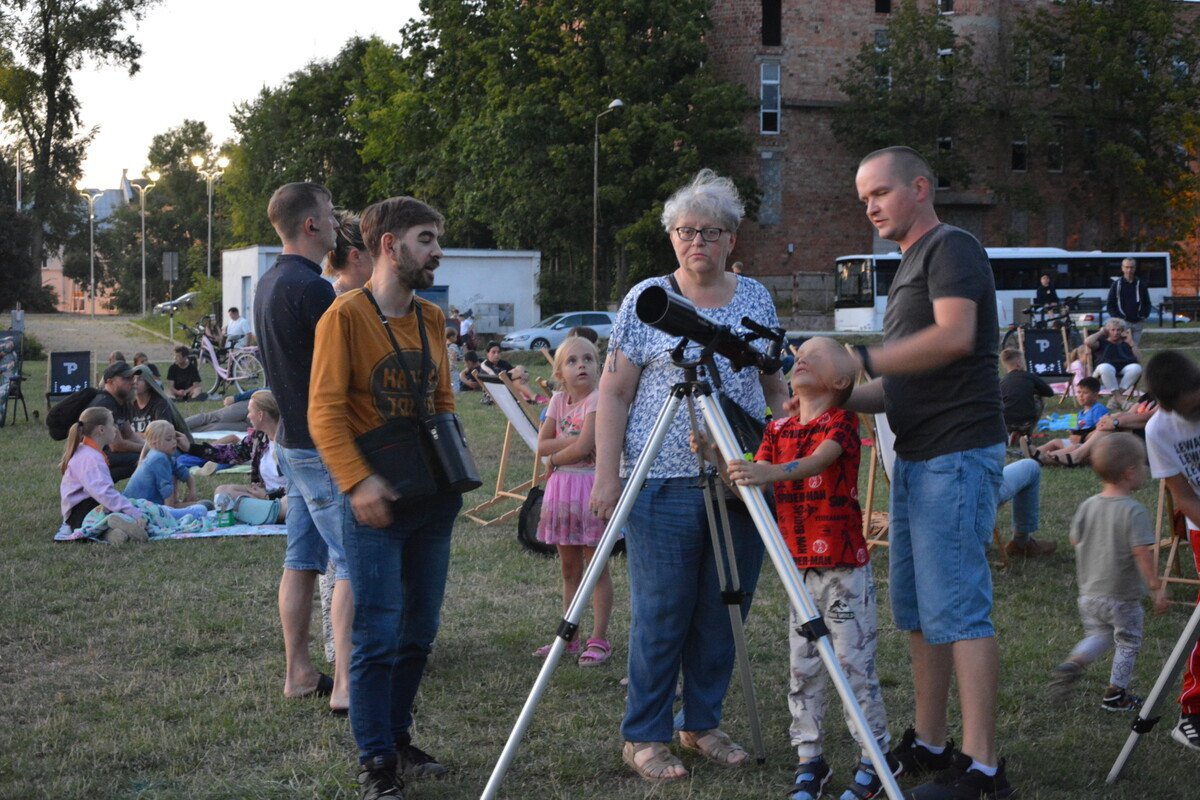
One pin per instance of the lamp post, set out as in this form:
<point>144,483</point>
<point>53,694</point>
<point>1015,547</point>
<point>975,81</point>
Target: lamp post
<point>91,201</point>
<point>613,106</point>
<point>210,174</point>
<point>141,189</point>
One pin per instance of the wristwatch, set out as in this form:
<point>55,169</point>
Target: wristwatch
<point>1116,422</point>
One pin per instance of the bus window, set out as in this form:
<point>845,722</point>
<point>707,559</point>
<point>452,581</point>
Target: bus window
<point>885,273</point>
<point>853,284</point>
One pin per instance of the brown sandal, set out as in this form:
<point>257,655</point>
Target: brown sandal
<point>716,746</point>
<point>653,761</point>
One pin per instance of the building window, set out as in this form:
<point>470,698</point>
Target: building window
<point>945,146</point>
<point>1058,63</point>
<point>945,6</point>
<point>883,6</point>
<point>1020,153</point>
<point>1019,74</point>
<point>1089,149</point>
<point>883,72</point>
<point>770,210</point>
<point>1054,151</point>
<point>772,23</point>
<point>769,97</point>
<point>945,63</point>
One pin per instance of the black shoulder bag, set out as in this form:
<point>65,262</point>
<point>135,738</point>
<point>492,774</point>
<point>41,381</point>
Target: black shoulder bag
<point>426,454</point>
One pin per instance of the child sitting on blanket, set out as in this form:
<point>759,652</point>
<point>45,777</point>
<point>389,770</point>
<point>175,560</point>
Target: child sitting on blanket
<point>157,471</point>
<point>86,482</point>
<point>1059,451</point>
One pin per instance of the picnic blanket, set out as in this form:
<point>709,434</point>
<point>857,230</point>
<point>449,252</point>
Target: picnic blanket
<point>1058,422</point>
<point>161,525</point>
<point>212,436</point>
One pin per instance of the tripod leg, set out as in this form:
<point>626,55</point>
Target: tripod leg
<point>570,622</point>
<point>813,626</point>
<point>1146,718</point>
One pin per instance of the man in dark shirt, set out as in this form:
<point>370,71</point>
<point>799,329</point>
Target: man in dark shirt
<point>1129,299</point>
<point>124,451</point>
<point>183,377</point>
<point>1046,298</point>
<point>1019,391</point>
<point>941,392</point>
<point>289,301</point>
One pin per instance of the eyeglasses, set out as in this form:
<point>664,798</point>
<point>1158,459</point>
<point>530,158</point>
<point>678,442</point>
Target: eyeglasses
<point>707,234</point>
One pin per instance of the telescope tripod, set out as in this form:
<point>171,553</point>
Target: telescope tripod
<point>812,626</point>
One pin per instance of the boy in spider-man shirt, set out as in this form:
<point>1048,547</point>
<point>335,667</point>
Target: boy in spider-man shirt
<point>812,458</point>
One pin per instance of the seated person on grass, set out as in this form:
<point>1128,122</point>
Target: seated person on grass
<point>1133,420</point>
<point>86,482</point>
<point>466,377</point>
<point>115,356</point>
<point>183,377</point>
<point>141,358</point>
<point>266,481</point>
<point>1021,392</point>
<point>1022,484</point>
<point>158,471</point>
<point>122,449</point>
<point>238,332</point>
<point>147,405</point>
<point>1059,451</point>
<point>519,376</point>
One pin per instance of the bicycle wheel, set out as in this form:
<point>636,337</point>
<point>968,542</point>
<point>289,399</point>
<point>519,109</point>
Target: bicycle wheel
<point>247,372</point>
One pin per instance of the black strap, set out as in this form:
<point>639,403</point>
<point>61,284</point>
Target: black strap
<point>420,390</point>
<point>675,284</point>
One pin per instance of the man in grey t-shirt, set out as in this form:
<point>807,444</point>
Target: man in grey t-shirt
<point>940,389</point>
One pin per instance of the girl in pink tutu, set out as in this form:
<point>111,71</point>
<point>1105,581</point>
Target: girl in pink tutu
<point>568,438</point>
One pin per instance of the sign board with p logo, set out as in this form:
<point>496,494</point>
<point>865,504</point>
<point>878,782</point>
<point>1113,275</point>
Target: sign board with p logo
<point>69,372</point>
<point>1045,351</point>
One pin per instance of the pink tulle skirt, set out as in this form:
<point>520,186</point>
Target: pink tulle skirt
<point>565,516</point>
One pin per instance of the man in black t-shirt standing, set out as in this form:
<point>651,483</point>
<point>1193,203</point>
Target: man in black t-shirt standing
<point>941,393</point>
<point>124,451</point>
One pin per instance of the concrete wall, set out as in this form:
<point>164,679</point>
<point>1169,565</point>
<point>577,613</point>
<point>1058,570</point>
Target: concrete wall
<point>240,271</point>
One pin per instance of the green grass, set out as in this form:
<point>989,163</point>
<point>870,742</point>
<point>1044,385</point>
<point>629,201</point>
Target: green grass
<point>156,671</point>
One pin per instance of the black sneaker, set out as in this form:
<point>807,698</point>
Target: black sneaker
<point>917,760</point>
<point>413,762</point>
<point>1119,700</point>
<point>811,777</point>
<point>1187,732</point>
<point>960,782</point>
<point>378,780</point>
<point>866,783</point>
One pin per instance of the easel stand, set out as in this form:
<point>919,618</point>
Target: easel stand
<point>1147,716</point>
<point>812,628</point>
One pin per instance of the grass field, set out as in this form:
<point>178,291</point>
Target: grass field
<point>156,671</point>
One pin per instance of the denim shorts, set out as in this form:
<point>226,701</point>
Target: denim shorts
<point>943,511</point>
<point>314,514</point>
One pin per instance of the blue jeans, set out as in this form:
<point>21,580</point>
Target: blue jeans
<point>398,578</point>
<point>314,514</point>
<point>678,618</point>
<point>1022,483</point>
<point>943,510</point>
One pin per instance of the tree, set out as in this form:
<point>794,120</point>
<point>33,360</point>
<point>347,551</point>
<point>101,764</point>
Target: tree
<point>41,43</point>
<point>917,84</point>
<point>1119,82</point>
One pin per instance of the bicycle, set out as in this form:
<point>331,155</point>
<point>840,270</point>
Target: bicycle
<point>1039,317</point>
<point>242,370</point>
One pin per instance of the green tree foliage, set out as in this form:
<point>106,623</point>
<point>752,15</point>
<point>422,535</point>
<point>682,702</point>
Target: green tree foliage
<point>914,85</point>
<point>297,132</point>
<point>42,42</point>
<point>1120,81</point>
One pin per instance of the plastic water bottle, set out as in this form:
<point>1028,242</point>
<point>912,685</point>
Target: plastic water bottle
<point>222,502</point>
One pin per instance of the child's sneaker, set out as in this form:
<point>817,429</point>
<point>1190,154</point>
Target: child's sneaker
<point>1063,677</point>
<point>917,760</point>
<point>1187,732</point>
<point>866,783</point>
<point>960,782</point>
<point>1120,700</point>
<point>811,777</point>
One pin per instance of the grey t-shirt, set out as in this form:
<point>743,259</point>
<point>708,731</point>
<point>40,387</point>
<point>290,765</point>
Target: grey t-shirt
<point>1105,531</point>
<point>955,407</point>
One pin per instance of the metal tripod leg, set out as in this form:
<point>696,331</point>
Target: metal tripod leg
<point>812,626</point>
<point>1146,718</point>
<point>570,622</point>
<point>731,588</point>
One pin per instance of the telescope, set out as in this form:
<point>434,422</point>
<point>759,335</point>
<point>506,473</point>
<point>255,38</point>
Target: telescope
<point>675,315</point>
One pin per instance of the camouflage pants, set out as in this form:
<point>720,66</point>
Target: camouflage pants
<point>1109,622</point>
<point>846,599</point>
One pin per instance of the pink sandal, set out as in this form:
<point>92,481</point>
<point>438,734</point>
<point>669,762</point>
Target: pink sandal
<point>596,653</point>
<point>544,650</point>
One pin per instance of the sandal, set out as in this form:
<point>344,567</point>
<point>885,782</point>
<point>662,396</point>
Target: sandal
<point>544,650</point>
<point>716,746</point>
<point>595,653</point>
<point>653,761</point>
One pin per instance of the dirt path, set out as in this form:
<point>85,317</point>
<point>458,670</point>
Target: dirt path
<point>101,335</point>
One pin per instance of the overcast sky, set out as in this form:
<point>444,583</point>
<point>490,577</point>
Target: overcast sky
<point>201,57</point>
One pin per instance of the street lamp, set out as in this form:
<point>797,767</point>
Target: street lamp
<point>210,174</point>
<point>91,201</point>
<point>141,189</point>
<point>613,106</point>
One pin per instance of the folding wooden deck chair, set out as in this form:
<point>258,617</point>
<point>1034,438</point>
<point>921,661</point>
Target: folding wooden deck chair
<point>1171,534</point>
<point>1048,361</point>
<point>519,426</point>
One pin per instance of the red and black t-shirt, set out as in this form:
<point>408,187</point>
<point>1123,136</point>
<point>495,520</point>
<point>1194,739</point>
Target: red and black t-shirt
<point>819,516</point>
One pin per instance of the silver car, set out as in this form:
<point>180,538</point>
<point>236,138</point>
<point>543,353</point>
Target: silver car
<point>550,332</point>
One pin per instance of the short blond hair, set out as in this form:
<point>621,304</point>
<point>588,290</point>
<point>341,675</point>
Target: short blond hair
<point>1115,453</point>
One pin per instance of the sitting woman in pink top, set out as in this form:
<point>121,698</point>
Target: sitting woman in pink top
<point>86,481</point>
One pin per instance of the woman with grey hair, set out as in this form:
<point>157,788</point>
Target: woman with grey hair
<point>678,619</point>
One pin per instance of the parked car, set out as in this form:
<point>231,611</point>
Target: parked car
<point>1090,319</point>
<point>169,306</point>
<point>551,331</point>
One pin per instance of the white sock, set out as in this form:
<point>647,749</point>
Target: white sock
<point>989,771</point>
<point>937,751</point>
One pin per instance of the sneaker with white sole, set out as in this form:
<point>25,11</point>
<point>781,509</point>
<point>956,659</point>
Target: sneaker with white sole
<point>1119,700</point>
<point>1187,732</point>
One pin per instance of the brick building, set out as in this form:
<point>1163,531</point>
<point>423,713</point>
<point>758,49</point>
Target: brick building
<point>788,53</point>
